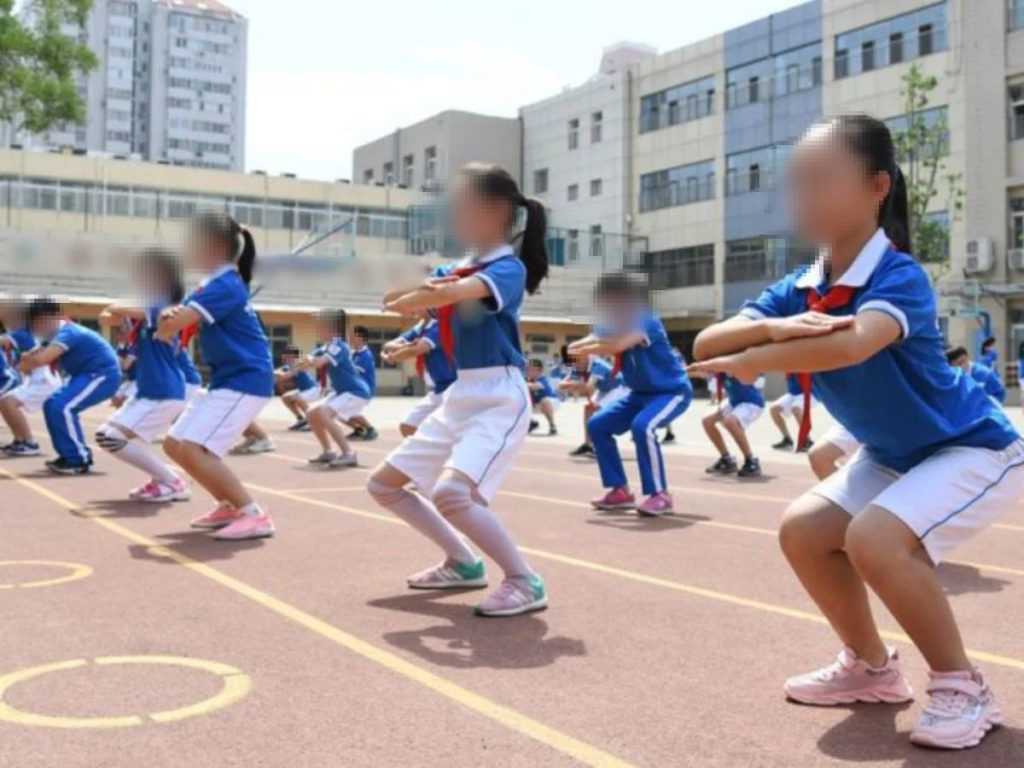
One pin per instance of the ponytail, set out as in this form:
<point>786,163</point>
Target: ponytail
<point>247,257</point>
<point>495,183</point>
<point>239,247</point>
<point>893,216</point>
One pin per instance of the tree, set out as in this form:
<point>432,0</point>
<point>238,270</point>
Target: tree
<point>41,65</point>
<point>922,145</point>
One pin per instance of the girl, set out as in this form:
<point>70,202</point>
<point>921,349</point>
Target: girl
<point>659,392</point>
<point>593,378</point>
<point>160,386</point>
<point>940,460</point>
<point>790,403</point>
<point>463,450</point>
<point>743,405</point>
<point>241,374</point>
<point>542,395</point>
<point>423,342</point>
<point>298,387</point>
<point>26,394</point>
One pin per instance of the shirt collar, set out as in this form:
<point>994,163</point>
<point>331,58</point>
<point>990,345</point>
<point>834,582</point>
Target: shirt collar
<point>223,269</point>
<point>858,273</point>
<point>498,253</point>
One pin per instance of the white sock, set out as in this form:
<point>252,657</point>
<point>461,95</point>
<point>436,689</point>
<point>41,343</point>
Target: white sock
<point>141,455</point>
<point>252,509</point>
<point>421,515</point>
<point>455,501</point>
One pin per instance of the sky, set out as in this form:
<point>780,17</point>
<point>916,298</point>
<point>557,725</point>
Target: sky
<point>328,75</point>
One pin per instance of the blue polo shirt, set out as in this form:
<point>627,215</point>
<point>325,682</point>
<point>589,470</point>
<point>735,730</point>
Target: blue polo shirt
<point>487,330</point>
<point>366,365</point>
<point>652,367</point>
<point>188,368</point>
<point>989,381</point>
<point>906,402</point>
<point>22,340</point>
<point>230,336</point>
<point>342,371</point>
<point>86,353</point>
<point>126,354</point>
<point>157,374</point>
<point>439,368</point>
<point>739,393</point>
<point>793,384</point>
<point>989,359</point>
<point>540,388</point>
<point>601,375</point>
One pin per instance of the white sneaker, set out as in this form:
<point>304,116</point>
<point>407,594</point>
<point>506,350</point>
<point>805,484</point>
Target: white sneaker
<point>343,460</point>
<point>265,445</point>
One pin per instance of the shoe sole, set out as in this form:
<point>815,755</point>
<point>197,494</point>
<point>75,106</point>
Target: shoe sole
<point>973,739</point>
<point>850,698</point>
<point>660,513</point>
<point>468,584</point>
<point>613,507</point>
<point>260,535</point>
<point>536,605</point>
<point>210,526</point>
<point>167,499</point>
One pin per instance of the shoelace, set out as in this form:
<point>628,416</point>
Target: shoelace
<point>949,703</point>
<point>833,670</point>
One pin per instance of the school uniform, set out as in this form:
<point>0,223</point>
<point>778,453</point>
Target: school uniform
<point>659,392</point>
<point>989,381</point>
<point>193,381</point>
<point>305,387</point>
<point>743,401</point>
<point>938,453</point>
<point>609,386</point>
<point>160,385</point>
<point>840,437</point>
<point>9,377</point>
<point>235,347</point>
<point>351,392</point>
<point>989,360</point>
<point>542,389</point>
<point>126,355</point>
<point>32,390</point>
<point>485,414</point>
<point>793,397</point>
<point>93,375</point>
<point>438,371</point>
<point>367,367</point>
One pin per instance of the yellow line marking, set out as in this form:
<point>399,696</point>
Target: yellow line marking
<point>506,716</point>
<point>78,571</point>
<point>710,594</point>
<point>236,685</point>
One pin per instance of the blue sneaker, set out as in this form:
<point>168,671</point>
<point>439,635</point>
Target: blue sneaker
<point>22,448</point>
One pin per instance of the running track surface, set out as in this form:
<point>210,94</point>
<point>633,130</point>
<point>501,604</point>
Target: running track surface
<point>665,644</point>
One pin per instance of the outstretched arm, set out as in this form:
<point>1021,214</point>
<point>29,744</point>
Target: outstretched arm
<point>741,332</point>
<point>174,320</point>
<point>40,357</point>
<point>608,345</point>
<point>406,351</point>
<point>439,293</point>
<point>117,312</point>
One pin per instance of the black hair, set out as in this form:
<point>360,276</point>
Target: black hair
<point>291,349</point>
<point>362,332</point>
<point>535,363</point>
<point>869,139</point>
<point>239,247</point>
<point>564,354</point>
<point>42,307</point>
<point>955,353</point>
<point>619,284</point>
<point>495,183</point>
<point>168,268</point>
<point>988,342</point>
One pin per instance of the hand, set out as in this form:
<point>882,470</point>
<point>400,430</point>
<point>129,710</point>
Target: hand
<point>172,312</point>
<point>807,324</point>
<point>737,366</point>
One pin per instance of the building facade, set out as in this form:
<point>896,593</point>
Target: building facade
<point>169,85</point>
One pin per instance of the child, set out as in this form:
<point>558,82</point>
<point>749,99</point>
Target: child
<point>989,355</point>
<point>670,435</point>
<point>362,357</point>
<point>790,403</point>
<point>93,376</point>
<point>985,376</point>
<point>743,405</point>
<point>837,446</point>
<point>593,378</point>
<point>423,341</point>
<point>126,354</point>
<point>241,383</point>
<point>940,460</point>
<point>659,391</point>
<point>9,377</point>
<point>542,395</point>
<point>463,450</point>
<point>254,440</point>
<point>299,388</point>
<point>28,394</point>
<point>351,393</point>
<point>160,385</point>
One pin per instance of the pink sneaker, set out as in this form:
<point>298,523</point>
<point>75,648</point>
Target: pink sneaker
<point>656,505</point>
<point>616,498</point>
<point>247,527</point>
<point>849,679</point>
<point>218,518</point>
<point>521,594</point>
<point>159,493</point>
<point>143,490</point>
<point>960,711</point>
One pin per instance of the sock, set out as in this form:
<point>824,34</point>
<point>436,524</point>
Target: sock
<point>252,509</point>
<point>141,455</point>
<point>421,515</point>
<point>455,501</point>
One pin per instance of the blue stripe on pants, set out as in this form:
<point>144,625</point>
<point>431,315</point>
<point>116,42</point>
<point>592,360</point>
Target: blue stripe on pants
<point>640,414</point>
<point>61,410</point>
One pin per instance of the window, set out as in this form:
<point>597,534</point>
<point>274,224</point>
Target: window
<point>747,260</point>
<point>754,169</point>
<point>1016,14</point>
<point>430,164</point>
<point>1017,111</point>
<point>682,267</point>
<point>754,89</point>
<point>596,127</point>
<point>1017,223</point>
<point>681,185</point>
<point>900,38</point>
<point>744,85</point>
<point>407,170</point>
<point>595,187</point>
<point>389,173</point>
<point>368,176</point>
<point>900,125</point>
<point>540,181</point>
<point>678,104</point>
<point>574,133</point>
<point>573,245</point>
<point>596,242</point>
<point>573,192</point>
<point>280,336</point>
<point>755,177</point>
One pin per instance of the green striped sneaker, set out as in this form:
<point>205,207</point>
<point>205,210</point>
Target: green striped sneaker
<point>520,594</point>
<point>450,575</point>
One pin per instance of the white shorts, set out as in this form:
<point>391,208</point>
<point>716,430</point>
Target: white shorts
<point>190,391</point>
<point>841,439</point>
<point>147,418</point>
<point>944,500</point>
<point>478,431</point>
<point>745,413</point>
<point>31,394</point>
<point>344,406</point>
<point>604,399</point>
<point>127,390</point>
<point>308,396</point>
<point>216,418</point>
<point>554,401</point>
<point>426,406</point>
<point>787,401</point>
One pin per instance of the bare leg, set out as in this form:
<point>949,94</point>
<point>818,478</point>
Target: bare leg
<point>732,424</point>
<point>549,412</point>
<point>255,432</point>
<point>214,475</point>
<point>405,430</point>
<point>319,418</point>
<point>824,459</point>
<point>292,404</point>
<point>335,430</point>
<point>710,423</point>
<point>588,410</point>
<point>14,415</point>
<point>780,421</point>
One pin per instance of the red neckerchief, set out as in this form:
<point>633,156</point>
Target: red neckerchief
<point>446,314</point>
<point>187,334</point>
<point>719,387</point>
<point>837,297</point>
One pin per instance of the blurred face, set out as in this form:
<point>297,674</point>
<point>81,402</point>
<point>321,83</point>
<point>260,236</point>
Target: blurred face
<point>831,194</point>
<point>289,358</point>
<point>617,313</point>
<point>580,362</point>
<point>533,372</point>
<point>324,328</point>
<point>963,362</point>
<point>477,222</point>
<point>355,340</point>
<point>151,281</point>
<point>46,326</point>
<point>204,253</point>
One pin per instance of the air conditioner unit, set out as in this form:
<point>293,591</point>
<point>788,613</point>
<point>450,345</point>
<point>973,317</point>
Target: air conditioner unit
<point>1015,258</point>
<point>980,256</point>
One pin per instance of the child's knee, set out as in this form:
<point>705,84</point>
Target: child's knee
<point>873,543</point>
<point>452,496</point>
<point>52,408</point>
<point>110,438</point>
<point>383,493</point>
<point>639,429</point>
